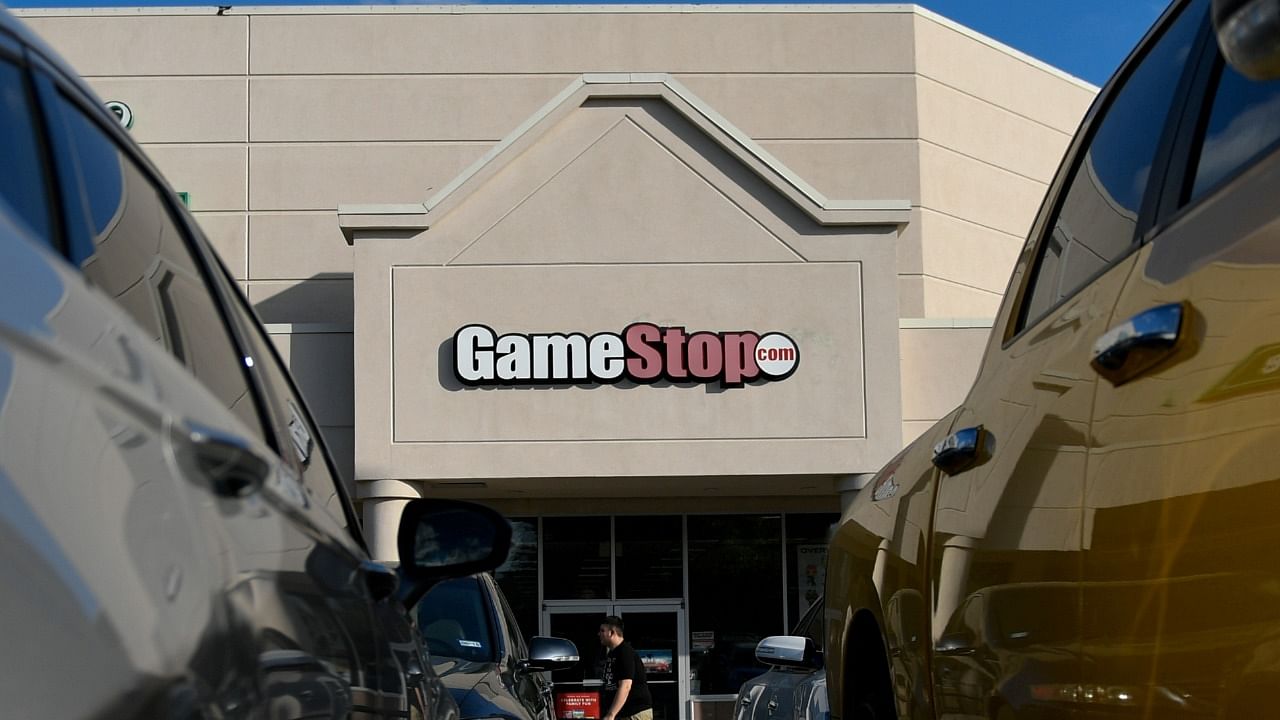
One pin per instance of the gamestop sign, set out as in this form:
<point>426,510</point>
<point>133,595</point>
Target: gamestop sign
<point>642,352</point>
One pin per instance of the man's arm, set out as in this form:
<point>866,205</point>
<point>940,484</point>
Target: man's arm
<point>624,689</point>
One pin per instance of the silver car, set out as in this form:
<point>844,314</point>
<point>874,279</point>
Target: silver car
<point>795,686</point>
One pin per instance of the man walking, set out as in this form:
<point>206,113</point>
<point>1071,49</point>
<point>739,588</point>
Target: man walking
<point>626,694</point>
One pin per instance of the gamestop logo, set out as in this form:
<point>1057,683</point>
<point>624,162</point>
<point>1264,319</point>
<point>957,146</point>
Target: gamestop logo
<point>643,353</point>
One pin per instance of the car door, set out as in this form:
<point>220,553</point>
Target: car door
<point>292,572</point>
<point>1009,504</point>
<point>532,689</point>
<point>1182,593</point>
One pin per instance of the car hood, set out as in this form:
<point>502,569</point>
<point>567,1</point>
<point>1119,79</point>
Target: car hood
<point>480,688</point>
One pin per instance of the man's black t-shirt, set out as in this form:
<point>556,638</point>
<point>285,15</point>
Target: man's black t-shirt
<point>620,664</point>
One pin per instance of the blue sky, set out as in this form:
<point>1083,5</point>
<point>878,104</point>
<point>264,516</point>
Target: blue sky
<point>1087,38</point>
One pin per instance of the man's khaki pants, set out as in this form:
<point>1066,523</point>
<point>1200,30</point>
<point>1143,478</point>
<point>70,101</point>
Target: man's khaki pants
<point>642,715</point>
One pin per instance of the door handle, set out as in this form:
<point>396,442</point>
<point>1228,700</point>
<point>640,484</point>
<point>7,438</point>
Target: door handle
<point>1139,344</point>
<point>229,462</point>
<point>963,449</point>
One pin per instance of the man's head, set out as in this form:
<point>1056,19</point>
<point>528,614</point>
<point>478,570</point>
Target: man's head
<point>610,632</point>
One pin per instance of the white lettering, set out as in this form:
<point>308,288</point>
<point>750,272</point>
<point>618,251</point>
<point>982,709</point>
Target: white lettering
<point>473,356</point>
<point>514,358</point>
<point>560,357</point>
<point>607,356</point>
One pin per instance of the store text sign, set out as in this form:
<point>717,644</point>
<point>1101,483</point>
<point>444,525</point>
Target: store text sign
<point>642,353</point>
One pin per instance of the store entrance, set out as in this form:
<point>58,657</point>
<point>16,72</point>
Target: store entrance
<point>656,629</point>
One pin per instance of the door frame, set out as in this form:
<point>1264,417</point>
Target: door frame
<point>621,608</point>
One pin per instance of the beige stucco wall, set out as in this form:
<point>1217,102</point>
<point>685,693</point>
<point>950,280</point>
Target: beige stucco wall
<point>271,117</point>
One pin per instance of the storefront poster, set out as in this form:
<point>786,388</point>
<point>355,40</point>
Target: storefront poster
<point>577,706</point>
<point>655,661</point>
<point>811,569</point>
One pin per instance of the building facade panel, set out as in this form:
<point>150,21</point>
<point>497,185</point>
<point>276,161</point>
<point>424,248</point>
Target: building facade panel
<point>976,191</point>
<point>763,106</point>
<point>386,107</point>
<point>994,134</point>
<point>155,43</point>
<point>213,176</point>
<point>627,40</point>
<point>892,166</point>
<point>182,109</point>
<point>978,66</point>
<point>320,300</point>
<point>310,176</point>
<point>228,232</point>
<point>296,246</point>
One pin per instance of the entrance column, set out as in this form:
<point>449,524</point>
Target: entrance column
<point>848,487</point>
<point>383,502</point>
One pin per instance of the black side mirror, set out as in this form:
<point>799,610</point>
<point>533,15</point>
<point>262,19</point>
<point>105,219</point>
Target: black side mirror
<point>551,653</point>
<point>1249,36</point>
<point>955,644</point>
<point>442,539</point>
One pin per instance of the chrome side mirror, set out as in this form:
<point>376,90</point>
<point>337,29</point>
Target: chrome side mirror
<point>789,651</point>
<point>551,653</point>
<point>1249,36</point>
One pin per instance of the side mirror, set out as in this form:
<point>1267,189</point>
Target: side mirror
<point>1249,36</point>
<point>955,644</point>
<point>551,653</point>
<point>441,539</point>
<point>789,651</point>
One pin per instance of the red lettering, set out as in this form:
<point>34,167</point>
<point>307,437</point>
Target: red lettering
<point>739,360</point>
<point>674,338</point>
<point>645,361</point>
<point>705,355</point>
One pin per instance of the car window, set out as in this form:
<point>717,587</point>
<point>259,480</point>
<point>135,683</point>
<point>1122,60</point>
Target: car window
<point>121,235</point>
<point>1241,123</point>
<point>24,188</point>
<point>294,425</point>
<point>1097,218</point>
<point>517,649</point>
<point>810,625</point>
<point>454,621</point>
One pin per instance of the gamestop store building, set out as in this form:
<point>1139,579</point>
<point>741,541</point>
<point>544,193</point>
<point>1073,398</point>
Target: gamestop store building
<point>664,284</point>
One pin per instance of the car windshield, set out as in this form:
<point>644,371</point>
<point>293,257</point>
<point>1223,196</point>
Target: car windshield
<point>455,621</point>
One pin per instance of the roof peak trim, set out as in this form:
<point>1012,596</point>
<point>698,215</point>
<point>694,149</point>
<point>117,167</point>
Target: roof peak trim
<point>636,85</point>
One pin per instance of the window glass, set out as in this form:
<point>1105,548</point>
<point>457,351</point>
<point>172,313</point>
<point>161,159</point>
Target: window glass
<point>518,649</point>
<point>1243,122</point>
<point>576,558</point>
<point>126,243</point>
<point>23,183</point>
<point>732,557</point>
<point>454,621</point>
<point>518,576</point>
<point>807,535</point>
<point>811,625</point>
<point>301,437</point>
<point>648,556</point>
<point>1097,220</point>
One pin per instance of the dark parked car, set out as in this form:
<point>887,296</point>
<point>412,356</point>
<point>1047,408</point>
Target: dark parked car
<point>795,686</point>
<point>479,652</point>
<point>1092,532</point>
<point>174,539</point>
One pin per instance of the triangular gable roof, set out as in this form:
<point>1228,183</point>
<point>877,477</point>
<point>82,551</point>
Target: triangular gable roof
<point>824,211</point>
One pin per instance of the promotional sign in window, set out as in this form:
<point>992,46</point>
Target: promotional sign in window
<point>811,569</point>
<point>655,661</point>
<point>641,353</point>
<point>577,705</point>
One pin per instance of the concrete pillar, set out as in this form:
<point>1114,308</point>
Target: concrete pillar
<point>953,579</point>
<point>383,502</point>
<point>848,487</point>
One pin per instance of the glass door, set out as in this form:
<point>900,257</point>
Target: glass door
<point>656,631</point>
